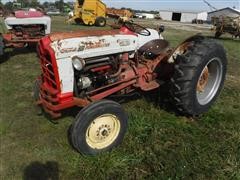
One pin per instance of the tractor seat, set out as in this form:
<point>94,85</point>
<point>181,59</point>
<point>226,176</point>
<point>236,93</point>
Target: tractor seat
<point>28,14</point>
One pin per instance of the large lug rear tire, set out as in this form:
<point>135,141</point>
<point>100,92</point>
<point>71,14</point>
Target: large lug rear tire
<point>98,127</point>
<point>199,77</point>
<point>101,21</point>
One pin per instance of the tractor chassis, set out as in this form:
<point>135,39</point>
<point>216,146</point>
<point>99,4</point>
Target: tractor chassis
<point>138,77</point>
<point>11,42</point>
<point>135,75</point>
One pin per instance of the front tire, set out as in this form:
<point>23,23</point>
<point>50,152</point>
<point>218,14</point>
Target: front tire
<point>199,77</point>
<point>101,21</point>
<point>98,127</point>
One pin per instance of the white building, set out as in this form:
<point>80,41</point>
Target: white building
<point>230,12</point>
<point>148,15</point>
<point>182,16</point>
<point>145,15</point>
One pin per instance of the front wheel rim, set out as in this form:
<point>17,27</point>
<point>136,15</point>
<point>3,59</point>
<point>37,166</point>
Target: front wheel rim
<point>103,131</point>
<point>207,89</point>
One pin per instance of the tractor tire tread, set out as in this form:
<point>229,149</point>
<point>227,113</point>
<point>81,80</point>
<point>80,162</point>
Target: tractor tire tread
<point>185,67</point>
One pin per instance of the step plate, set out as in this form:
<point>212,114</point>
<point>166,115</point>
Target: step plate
<point>150,86</point>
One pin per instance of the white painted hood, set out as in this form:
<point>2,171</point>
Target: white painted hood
<point>45,20</point>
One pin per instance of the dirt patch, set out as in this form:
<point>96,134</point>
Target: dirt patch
<point>176,25</point>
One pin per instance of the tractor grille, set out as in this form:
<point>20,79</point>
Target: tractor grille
<point>50,92</point>
<point>48,74</point>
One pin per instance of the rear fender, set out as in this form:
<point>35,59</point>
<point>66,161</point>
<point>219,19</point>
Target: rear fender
<point>182,47</point>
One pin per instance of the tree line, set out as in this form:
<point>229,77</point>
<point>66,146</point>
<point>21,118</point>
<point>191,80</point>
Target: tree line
<point>60,5</point>
<point>10,6</point>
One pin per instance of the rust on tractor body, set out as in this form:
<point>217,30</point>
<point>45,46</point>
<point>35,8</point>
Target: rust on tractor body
<point>84,33</point>
<point>203,80</point>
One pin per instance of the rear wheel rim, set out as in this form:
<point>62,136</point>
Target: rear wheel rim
<point>209,81</point>
<point>103,131</point>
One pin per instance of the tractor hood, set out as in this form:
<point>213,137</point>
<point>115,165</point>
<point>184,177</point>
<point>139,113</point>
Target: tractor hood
<point>44,20</point>
<point>87,44</point>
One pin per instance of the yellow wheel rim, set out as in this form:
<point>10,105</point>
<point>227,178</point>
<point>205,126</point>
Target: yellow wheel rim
<point>103,131</point>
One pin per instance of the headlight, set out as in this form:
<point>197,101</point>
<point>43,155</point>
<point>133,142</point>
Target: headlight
<point>78,63</point>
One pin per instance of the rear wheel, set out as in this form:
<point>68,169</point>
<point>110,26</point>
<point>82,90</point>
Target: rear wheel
<point>199,77</point>
<point>98,127</point>
<point>78,21</point>
<point>90,23</point>
<point>101,21</point>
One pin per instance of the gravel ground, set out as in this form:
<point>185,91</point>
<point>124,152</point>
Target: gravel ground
<point>176,25</point>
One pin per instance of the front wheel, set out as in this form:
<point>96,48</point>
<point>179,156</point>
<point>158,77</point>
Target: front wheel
<point>199,77</point>
<point>101,22</point>
<point>98,127</point>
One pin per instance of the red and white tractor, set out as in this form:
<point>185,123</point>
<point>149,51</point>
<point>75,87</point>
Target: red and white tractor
<point>86,68</point>
<point>24,28</point>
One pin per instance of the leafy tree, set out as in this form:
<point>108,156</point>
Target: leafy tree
<point>34,3</point>
<point>60,5</point>
<point>70,4</point>
<point>46,4</point>
<point>24,3</point>
<point>8,6</point>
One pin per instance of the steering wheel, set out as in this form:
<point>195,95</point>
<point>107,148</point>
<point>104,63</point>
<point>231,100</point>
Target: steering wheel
<point>137,28</point>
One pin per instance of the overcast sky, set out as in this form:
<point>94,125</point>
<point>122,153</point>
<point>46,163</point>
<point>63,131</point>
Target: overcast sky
<point>188,5</point>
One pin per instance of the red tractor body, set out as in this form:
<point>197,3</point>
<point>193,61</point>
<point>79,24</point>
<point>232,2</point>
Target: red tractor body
<point>24,28</point>
<point>83,68</point>
<point>127,77</point>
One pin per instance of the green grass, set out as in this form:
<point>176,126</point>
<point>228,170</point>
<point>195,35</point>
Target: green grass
<point>158,144</point>
<point>2,26</point>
